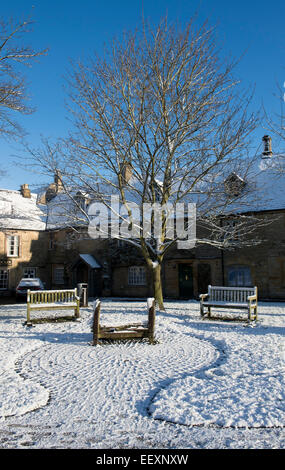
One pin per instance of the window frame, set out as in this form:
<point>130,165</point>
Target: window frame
<point>9,239</point>
<point>30,268</point>
<point>137,276</point>
<point>6,271</point>
<point>58,281</point>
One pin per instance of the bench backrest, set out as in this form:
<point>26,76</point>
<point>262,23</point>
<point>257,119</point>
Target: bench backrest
<point>230,294</point>
<point>150,309</point>
<point>51,296</point>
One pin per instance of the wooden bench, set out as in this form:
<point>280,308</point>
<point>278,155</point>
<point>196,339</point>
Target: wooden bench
<point>127,331</point>
<point>52,299</point>
<point>230,297</point>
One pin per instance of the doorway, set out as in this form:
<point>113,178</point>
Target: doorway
<point>185,281</point>
<point>82,273</point>
<point>204,277</point>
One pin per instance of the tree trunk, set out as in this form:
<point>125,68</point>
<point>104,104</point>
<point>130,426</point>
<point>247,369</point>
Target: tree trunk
<point>157,286</point>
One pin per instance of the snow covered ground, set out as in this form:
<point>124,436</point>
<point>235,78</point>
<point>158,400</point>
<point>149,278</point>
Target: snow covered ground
<point>206,384</point>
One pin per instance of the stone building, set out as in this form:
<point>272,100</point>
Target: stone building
<point>23,238</point>
<point>37,240</point>
<point>187,273</point>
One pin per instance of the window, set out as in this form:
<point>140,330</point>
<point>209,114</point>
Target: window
<point>239,277</point>
<point>3,279</point>
<point>81,200</point>
<point>51,243</point>
<point>29,273</point>
<point>58,275</point>
<point>137,276</point>
<point>13,244</point>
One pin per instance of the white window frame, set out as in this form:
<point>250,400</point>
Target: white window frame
<point>58,280</point>
<point>31,271</point>
<point>4,278</point>
<point>137,276</point>
<point>13,246</point>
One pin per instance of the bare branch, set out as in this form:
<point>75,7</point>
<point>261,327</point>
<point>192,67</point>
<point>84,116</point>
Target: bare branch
<point>13,53</point>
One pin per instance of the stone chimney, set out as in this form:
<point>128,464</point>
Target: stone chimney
<point>127,172</point>
<point>267,151</point>
<point>55,187</point>
<point>58,181</point>
<point>25,191</point>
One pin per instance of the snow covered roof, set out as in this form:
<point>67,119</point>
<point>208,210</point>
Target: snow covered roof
<point>262,188</point>
<point>268,180</point>
<point>90,260</point>
<point>65,210</point>
<point>60,212</point>
<point>271,178</point>
<point>18,212</point>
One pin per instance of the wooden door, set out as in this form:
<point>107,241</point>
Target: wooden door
<point>82,273</point>
<point>204,277</point>
<point>185,281</point>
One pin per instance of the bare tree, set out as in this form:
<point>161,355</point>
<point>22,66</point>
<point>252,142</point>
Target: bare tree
<point>13,54</point>
<point>161,120</point>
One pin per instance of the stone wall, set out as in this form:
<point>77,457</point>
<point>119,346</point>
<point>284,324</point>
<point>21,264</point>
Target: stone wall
<point>266,261</point>
<point>32,254</point>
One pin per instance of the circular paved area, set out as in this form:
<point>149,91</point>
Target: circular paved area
<point>113,379</point>
<point>125,392</point>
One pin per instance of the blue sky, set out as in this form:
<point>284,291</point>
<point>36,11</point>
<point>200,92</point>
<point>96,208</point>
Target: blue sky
<point>72,29</point>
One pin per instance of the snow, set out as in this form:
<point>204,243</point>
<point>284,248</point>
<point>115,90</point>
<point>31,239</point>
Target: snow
<point>155,264</point>
<point>90,260</point>
<point>205,384</point>
<point>18,212</point>
<point>264,180</point>
<point>33,282</point>
<point>267,179</point>
<point>149,302</point>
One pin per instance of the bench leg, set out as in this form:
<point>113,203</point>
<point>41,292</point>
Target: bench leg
<point>209,312</point>
<point>95,341</point>
<point>254,316</point>
<point>202,309</point>
<point>151,338</point>
<point>96,323</point>
<point>28,322</point>
<point>255,312</point>
<point>28,314</point>
<point>151,323</point>
<point>77,310</point>
<point>249,314</point>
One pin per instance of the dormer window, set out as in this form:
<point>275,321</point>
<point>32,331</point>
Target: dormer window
<point>81,200</point>
<point>234,185</point>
